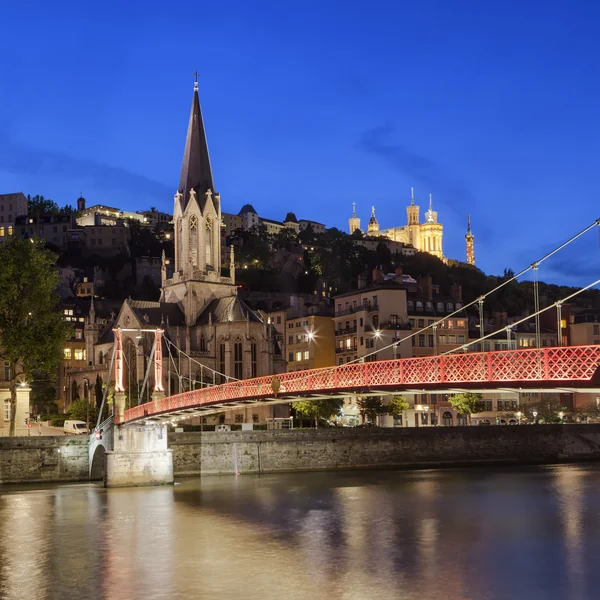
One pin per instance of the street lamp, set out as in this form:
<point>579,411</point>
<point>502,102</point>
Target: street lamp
<point>519,415</point>
<point>535,414</point>
<point>561,414</point>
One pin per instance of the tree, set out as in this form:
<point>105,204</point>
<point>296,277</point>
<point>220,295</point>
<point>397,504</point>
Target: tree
<point>98,391</point>
<point>396,406</point>
<point>40,206</point>
<point>32,330</point>
<point>318,409</point>
<point>371,407</point>
<point>83,410</point>
<point>467,404</point>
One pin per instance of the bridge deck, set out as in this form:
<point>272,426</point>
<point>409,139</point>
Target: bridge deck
<point>568,366</point>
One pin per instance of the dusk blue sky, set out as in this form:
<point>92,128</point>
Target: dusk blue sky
<point>309,106</point>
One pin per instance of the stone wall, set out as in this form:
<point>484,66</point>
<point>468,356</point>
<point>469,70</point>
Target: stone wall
<point>43,459</point>
<point>305,450</point>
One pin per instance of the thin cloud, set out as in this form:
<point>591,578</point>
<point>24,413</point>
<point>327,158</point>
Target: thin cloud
<point>22,160</point>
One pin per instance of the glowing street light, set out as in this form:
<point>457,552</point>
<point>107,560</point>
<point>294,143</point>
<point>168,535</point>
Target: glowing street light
<point>535,414</point>
<point>311,336</point>
<point>519,415</point>
<point>561,414</point>
<point>378,334</point>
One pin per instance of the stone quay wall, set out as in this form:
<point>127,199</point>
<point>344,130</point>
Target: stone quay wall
<point>43,459</point>
<point>329,449</point>
<point>62,459</point>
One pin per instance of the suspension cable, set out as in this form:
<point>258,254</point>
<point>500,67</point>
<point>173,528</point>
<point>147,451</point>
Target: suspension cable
<point>525,319</point>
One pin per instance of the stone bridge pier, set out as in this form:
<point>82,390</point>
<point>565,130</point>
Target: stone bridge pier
<point>139,457</point>
<point>138,454</point>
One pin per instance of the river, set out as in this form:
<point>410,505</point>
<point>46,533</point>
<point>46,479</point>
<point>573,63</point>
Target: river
<point>498,533</point>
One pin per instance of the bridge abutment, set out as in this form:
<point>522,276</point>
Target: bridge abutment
<point>140,457</point>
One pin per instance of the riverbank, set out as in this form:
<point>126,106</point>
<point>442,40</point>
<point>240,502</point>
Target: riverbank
<point>334,449</point>
<point>58,459</point>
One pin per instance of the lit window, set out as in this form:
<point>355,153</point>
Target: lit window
<point>306,355</point>
<point>67,353</point>
<point>10,231</point>
<point>78,354</point>
<point>298,356</point>
<point>563,324</point>
<point>1,231</point>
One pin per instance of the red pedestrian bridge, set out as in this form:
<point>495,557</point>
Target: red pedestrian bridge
<point>564,369</point>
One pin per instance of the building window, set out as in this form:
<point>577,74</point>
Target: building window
<point>222,361</point>
<point>10,230</point>
<point>419,305</point>
<point>237,360</point>
<point>239,418</point>
<point>306,355</point>
<point>254,359</point>
<point>298,356</point>
<point>449,306</point>
<point>430,340</point>
<point>79,354</point>
<point>202,343</point>
<point>421,340</point>
<point>78,334</point>
<point>1,231</point>
<point>290,357</point>
<point>6,371</point>
<point>67,353</point>
<point>596,329</point>
<point>278,320</point>
<point>7,410</point>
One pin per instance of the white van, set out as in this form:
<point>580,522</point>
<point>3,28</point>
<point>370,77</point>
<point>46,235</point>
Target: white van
<point>75,428</point>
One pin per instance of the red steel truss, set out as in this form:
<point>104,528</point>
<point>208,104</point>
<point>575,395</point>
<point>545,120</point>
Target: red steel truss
<point>567,365</point>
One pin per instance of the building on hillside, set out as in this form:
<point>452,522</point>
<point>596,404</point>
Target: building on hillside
<point>220,337</point>
<point>426,237</point>
<point>105,215</point>
<point>310,342</point>
<point>53,229</point>
<point>153,218</point>
<point>317,228</point>
<point>11,206</point>
<point>150,267</point>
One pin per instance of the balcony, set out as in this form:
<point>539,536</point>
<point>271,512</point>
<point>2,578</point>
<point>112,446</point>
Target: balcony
<point>346,331</point>
<point>346,349</point>
<point>368,306</point>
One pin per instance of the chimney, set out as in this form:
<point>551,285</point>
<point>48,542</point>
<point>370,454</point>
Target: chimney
<point>377,275</point>
<point>398,272</point>
<point>456,292</point>
<point>425,286</point>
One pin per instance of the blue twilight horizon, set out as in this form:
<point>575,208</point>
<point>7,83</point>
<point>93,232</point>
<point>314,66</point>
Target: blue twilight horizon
<point>491,107</point>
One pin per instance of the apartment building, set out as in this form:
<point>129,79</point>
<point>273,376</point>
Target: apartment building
<point>310,342</point>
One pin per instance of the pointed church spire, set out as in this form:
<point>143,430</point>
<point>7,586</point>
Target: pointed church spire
<point>412,196</point>
<point>354,210</point>
<point>92,312</point>
<point>196,173</point>
<point>430,203</point>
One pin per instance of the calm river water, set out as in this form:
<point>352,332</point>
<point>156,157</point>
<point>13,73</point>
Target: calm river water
<point>480,534</point>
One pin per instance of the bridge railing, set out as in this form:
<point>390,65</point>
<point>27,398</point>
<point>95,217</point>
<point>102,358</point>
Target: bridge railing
<point>567,363</point>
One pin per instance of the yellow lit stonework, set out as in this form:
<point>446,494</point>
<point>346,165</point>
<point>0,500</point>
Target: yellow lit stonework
<point>426,237</point>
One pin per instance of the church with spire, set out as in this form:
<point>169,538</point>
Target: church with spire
<point>220,336</point>
<point>426,237</point>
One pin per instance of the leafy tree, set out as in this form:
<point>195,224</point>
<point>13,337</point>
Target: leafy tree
<point>40,206</point>
<point>98,391</point>
<point>316,410</point>
<point>286,238</point>
<point>307,236</point>
<point>32,330</point>
<point>589,411</point>
<point>396,406</point>
<point>83,410</point>
<point>370,407</point>
<point>43,394</point>
<point>467,403</point>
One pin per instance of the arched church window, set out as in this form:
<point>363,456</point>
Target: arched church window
<point>254,358</point>
<point>202,343</point>
<point>194,240</point>
<point>237,360</point>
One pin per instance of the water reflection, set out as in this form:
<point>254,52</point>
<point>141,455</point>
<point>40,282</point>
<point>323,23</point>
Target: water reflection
<point>505,533</point>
